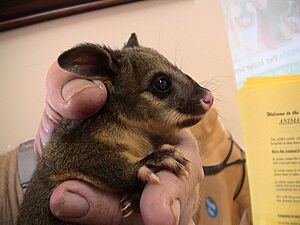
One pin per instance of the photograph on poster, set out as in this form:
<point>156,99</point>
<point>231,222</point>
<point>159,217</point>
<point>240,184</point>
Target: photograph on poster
<point>264,37</point>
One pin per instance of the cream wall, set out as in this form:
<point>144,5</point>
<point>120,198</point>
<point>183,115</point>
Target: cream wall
<point>189,32</point>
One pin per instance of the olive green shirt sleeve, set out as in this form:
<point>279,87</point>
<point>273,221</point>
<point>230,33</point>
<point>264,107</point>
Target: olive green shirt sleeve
<point>11,193</point>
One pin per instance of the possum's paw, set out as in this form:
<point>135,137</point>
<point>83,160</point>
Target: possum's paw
<point>130,204</point>
<point>167,158</point>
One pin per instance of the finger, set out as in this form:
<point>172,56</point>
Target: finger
<point>72,96</point>
<point>172,201</point>
<point>68,96</point>
<point>167,201</point>
<point>78,202</point>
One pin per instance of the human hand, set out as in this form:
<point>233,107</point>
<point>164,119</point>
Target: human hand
<point>68,96</point>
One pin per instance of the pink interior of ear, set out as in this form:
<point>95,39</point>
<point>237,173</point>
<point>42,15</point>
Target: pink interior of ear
<point>86,58</point>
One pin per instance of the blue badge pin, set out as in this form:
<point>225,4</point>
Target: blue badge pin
<point>211,207</point>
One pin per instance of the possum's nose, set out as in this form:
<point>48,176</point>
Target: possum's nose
<point>207,100</point>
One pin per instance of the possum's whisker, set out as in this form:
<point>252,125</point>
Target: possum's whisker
<point>181,62</point>
<point>217,80</point>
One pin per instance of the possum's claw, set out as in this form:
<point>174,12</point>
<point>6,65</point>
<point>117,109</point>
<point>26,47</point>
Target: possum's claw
<point>127,214</point>
<point>167,158</point>
<point>176,163</point>
<point>126,209</point>
<point>129,204</point>
<point>125,206</point>
<point>147,175</point>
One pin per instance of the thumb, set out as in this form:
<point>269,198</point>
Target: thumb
<point>68,96</point>
<point>72,96</point>
<point>78,202</point>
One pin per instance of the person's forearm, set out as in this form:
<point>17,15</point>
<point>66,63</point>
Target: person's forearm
<point>11,193</point>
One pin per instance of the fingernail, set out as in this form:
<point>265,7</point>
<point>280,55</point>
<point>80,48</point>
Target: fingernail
<point>75,86</point>
<point>71,205</point>
<point>175,206</point>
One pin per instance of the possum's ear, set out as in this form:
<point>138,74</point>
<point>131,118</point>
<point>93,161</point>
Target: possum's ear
<point>132,41</point>
<point>88,60</point>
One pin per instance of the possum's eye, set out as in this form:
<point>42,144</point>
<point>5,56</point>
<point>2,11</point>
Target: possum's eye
<point>161,83</point>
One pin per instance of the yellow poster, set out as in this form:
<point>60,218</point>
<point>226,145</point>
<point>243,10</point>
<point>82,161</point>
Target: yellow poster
<point>270,113</point>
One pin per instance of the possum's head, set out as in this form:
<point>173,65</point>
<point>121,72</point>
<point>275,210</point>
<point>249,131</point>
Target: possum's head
<point>143,86</point>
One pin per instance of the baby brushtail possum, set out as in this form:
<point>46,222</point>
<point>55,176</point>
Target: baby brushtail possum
<point>121,147</point>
